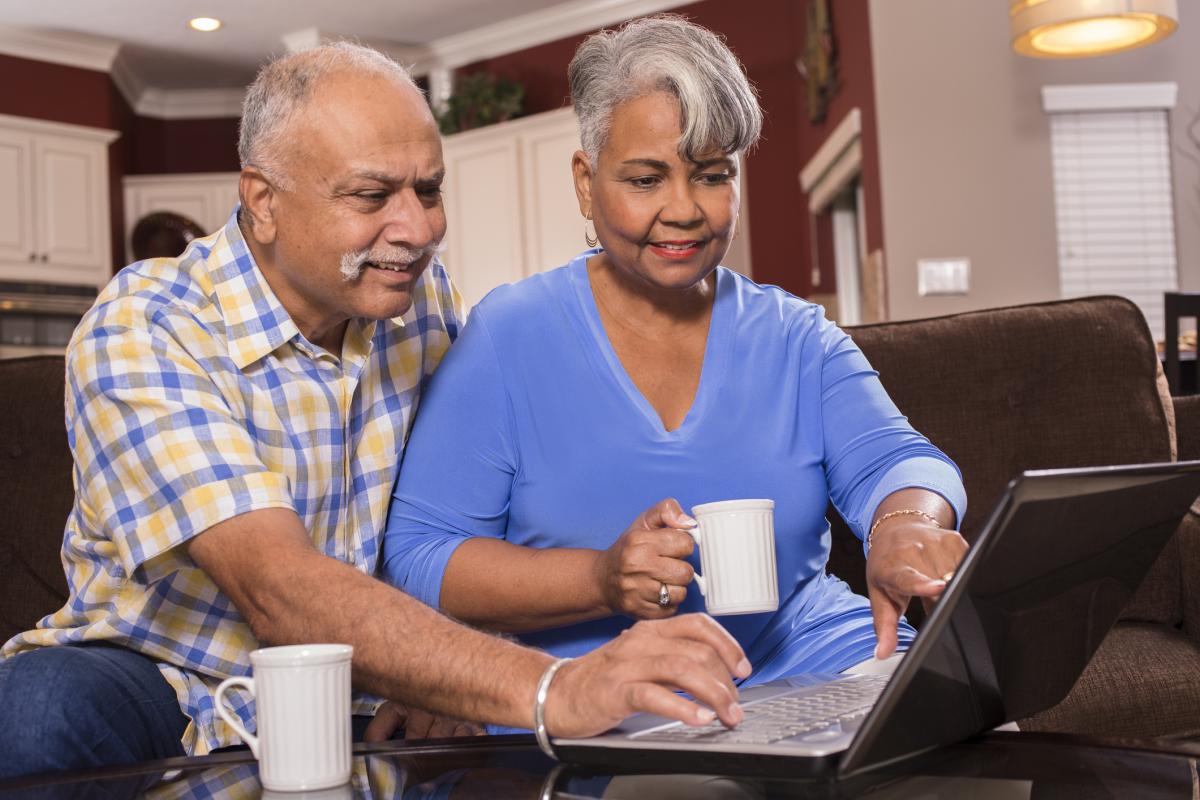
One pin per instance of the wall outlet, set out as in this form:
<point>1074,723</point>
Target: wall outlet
<point>943,276</point>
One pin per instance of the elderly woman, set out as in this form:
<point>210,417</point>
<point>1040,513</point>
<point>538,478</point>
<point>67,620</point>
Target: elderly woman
<point>642,370</point>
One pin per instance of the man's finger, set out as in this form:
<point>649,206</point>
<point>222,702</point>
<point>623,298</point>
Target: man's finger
<point>704,628</point>
<point>655,699</point>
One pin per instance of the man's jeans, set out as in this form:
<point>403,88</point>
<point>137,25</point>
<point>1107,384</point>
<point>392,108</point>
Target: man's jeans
<point>80,706</point>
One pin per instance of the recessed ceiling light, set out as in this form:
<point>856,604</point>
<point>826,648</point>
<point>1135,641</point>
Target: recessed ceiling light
<point>204,24</point>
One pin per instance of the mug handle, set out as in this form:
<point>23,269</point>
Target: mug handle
<point>694,532</point>
<point>230,718</point>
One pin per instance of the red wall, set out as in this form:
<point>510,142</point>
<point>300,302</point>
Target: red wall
<point>768,39</point>
<point>41,90</point>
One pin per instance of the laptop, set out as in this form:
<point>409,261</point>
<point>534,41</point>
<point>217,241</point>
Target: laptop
<point>1059,557</point>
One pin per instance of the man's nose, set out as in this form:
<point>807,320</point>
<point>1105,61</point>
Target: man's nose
<point>409,221</point>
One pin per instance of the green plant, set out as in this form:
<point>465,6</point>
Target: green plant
<point>480,99</point>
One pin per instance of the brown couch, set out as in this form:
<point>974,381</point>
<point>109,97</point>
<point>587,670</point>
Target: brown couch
<point>1061,384</point>
<point>1064,384</point>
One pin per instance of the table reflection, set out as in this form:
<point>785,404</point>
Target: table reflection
<point>996,767</point>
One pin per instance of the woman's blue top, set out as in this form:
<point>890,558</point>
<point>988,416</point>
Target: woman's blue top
<point>531,431</point>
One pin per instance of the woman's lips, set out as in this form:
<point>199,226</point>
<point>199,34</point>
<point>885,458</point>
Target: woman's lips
<point>676,250</point>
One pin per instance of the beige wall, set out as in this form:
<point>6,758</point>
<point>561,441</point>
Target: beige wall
<point>965,148</point>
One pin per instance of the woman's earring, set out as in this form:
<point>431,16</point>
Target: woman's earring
<point>589,237</point>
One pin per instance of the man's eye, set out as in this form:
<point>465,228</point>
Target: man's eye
<point>644,182</point>
<point>430,191</point>
<point>374,197</point>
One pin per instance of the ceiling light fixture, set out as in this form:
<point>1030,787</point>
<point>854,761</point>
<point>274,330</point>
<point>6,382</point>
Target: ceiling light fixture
<point>1081,28</point>
<point>204,24</point>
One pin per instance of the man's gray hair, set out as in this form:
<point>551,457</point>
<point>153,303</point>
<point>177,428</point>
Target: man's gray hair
<point>284,85</point>
<point>718,106</point>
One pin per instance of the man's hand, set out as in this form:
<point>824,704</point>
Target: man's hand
<point>639,671</point>
<point>417,724</point>
<point>648,556</point>
<point>909,558</point>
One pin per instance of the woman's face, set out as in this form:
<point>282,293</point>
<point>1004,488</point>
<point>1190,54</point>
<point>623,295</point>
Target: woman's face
<point>659,217</point>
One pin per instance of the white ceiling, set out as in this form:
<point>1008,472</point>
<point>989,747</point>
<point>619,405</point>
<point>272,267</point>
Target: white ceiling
<point>159,48</point>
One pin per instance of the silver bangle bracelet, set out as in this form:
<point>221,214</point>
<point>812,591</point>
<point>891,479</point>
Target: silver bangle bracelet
<point>539,707</point>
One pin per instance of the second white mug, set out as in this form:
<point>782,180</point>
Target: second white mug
<point>736,539</point>
<point>302,710</point>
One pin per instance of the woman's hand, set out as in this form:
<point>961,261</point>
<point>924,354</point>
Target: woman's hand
<point>417,724</point>
<point>648,556</point>
<point>909,557</point>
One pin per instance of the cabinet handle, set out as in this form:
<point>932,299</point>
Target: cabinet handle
<point>33,256</point>
<point>45,258</point>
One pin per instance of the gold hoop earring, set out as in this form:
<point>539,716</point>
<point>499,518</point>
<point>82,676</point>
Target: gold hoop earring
<point>591,238</point>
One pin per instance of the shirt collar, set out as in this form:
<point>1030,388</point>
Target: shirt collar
<point>256,323</point>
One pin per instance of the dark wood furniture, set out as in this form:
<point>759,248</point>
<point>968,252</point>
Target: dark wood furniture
<point>1177,305</point>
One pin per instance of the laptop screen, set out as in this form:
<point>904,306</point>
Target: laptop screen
<point>1060,557</point>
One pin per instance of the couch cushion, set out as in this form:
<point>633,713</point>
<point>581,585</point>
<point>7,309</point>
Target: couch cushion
<point>36,492</point>
<point>1141,684</point>
<point>1070,383</point>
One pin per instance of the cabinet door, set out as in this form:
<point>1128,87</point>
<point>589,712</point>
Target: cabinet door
<point>554,228</point>
<point>16,198</point>
<point>483,214</point>
<point>72,206</point>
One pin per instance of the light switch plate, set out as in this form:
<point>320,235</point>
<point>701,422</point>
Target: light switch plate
<point>943,276</point>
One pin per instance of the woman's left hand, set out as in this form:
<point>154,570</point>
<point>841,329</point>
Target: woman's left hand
<point>909,557</point>
<point>417,724</point>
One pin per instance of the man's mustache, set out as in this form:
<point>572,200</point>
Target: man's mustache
<point>353,263</point>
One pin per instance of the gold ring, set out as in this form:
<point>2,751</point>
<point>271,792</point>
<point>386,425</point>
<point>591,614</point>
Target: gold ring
<point>948,576</point>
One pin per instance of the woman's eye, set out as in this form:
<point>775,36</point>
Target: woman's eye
<point>645,182</point>
<point>715,178</point>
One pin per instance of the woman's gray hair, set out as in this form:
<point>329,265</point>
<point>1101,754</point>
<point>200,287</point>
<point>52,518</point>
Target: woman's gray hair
<point>284,85</point>
<point>718,106</point>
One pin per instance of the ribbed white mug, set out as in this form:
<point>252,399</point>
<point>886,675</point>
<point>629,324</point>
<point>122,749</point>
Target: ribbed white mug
<point>302,700</point>
<point>736,539</point>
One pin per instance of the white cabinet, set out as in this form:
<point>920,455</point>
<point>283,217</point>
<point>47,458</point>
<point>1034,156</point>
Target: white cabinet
<point>54,213</point>
<point>510,202</point>
<point>206,198</point>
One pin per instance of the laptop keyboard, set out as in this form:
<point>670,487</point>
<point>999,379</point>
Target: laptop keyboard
<point>815,712</point>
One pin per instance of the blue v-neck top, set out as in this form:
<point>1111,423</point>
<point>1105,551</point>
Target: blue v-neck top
<point>532,431</point>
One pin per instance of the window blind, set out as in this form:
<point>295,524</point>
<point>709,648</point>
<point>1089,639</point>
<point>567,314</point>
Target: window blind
<point>1114,206</point>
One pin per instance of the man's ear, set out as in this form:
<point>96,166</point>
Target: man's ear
<point>581,171</point>
<point>258,204</point>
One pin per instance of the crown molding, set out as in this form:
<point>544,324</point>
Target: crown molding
<point>539,27</point>
<point>127,81</point>
<point>190,103</point>
<point>512,35</point>
<point>59,47</point>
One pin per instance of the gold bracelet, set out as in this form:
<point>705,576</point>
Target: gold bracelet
<point>900,513</point>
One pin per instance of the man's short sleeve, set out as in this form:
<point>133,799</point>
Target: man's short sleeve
<point>160,455</point>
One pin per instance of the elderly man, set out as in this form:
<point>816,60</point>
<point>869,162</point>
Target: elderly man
<point>237,416</point>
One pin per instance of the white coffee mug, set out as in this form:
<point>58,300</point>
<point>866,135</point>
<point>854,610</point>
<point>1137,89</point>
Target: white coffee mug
<point>302,699</point>
<point>736,539</point>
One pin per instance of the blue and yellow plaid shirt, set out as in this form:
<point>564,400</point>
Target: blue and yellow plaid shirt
<point>192,398</point>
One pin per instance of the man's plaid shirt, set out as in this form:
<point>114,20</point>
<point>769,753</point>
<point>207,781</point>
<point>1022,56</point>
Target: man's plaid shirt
<point>192,398</point>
